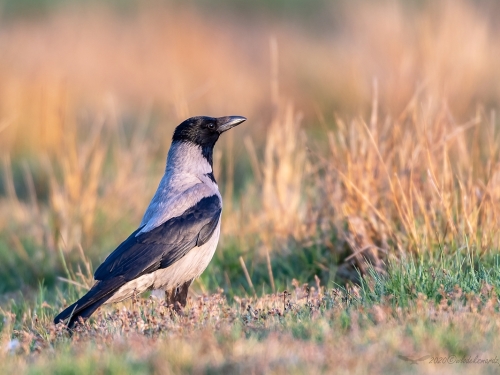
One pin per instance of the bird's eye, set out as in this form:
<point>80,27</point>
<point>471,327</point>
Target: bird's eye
<point>211,126</point>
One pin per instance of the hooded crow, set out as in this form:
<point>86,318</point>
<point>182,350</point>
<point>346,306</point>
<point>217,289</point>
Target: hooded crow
<point>179,232</point>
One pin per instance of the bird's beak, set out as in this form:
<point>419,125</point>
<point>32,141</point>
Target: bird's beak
<point>228,122</point>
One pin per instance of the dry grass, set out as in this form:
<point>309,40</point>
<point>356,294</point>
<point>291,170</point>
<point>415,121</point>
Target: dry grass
<point>308,330</point>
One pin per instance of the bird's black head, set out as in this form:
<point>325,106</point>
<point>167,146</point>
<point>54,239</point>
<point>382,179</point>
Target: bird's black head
<point>205,131</point>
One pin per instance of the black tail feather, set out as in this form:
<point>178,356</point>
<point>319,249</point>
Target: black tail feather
<point>74,312</point>
<point>90,302</point>
<point>87,312</point>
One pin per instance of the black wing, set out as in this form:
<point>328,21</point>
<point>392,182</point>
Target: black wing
<point>164,245</point>
<point>139,255</point>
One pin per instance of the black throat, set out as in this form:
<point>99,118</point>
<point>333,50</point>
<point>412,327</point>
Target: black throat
<point>208,153</point>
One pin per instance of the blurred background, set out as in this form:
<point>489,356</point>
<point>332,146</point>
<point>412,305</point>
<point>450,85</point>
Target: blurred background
<point>370,125</point>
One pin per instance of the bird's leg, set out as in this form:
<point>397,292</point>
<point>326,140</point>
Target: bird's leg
<point>178,296</point>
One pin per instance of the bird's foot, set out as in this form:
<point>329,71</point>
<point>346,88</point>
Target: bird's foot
<point>177,297</point>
